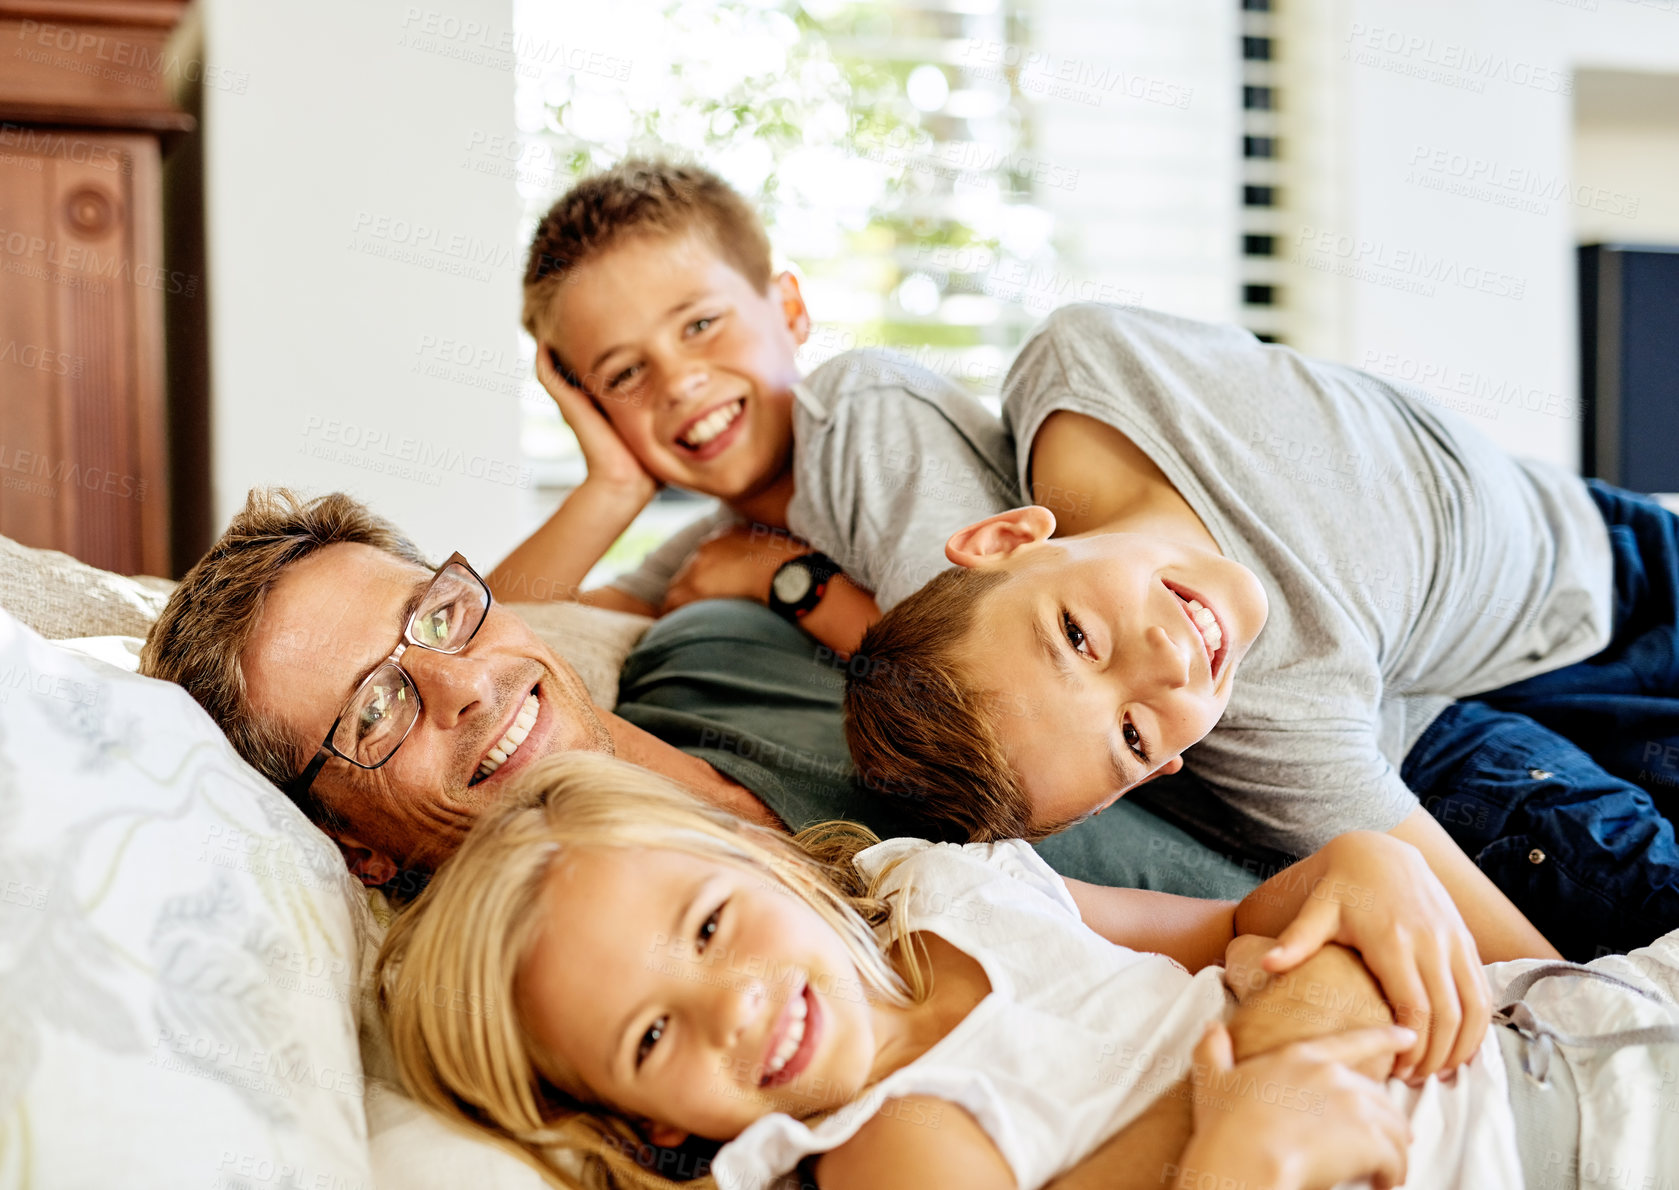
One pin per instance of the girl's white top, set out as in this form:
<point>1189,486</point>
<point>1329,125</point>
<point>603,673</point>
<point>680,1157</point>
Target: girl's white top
<point>1078,1036</point>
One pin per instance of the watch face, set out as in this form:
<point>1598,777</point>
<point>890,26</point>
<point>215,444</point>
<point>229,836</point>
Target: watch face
<point>791,584</point>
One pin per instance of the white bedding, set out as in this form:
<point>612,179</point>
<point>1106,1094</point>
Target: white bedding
<point>183,956</point>
<point>180,951</point>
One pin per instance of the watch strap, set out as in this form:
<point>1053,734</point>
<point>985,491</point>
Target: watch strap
<point>821,570</point>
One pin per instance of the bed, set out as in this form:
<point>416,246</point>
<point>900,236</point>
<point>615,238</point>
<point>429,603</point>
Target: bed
<point>183,956</point>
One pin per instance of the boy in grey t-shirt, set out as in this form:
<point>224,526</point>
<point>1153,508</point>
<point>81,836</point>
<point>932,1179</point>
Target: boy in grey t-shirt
<point>668,343</point>
<point>1437,619</point>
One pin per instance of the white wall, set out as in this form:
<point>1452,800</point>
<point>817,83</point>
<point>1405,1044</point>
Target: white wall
<point>364,276</point>
<point>1433,87</point>
<point>1626,128</point>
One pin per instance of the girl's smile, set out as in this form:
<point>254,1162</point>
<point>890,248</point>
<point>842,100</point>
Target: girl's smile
<point>729,998</point>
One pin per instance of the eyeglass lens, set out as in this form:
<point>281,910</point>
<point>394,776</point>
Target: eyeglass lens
<point>380,714</point>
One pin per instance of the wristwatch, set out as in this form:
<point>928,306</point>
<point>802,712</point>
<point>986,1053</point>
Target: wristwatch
<point>800,583</point>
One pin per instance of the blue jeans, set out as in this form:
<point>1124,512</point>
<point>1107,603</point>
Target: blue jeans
<point>1563,788</point>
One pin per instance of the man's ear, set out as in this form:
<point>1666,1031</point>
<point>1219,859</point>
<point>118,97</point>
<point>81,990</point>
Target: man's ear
<point>664,1135</point>
<point>369,865</point>
<point>1000,535</point>
<point>785,288</point>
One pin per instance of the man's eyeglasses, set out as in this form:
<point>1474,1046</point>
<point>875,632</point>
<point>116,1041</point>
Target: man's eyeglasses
<point>385,707</point>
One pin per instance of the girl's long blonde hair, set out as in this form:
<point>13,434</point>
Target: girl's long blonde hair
<point>446,974</point>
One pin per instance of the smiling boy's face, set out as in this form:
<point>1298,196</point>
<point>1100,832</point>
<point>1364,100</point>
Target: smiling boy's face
<point>693,365</point>
<point>1110,670</point>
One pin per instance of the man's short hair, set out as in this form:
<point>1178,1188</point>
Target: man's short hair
<point>919,730</point>
<point>199,640</point>
<point>637,197</point>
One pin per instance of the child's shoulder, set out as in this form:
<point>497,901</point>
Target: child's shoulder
<point>1102,353</point>
<point>1100,319</point>
<point>879,371</point>
<point>964,868</point>
<point>875,396</point>
<point>1091,337</point>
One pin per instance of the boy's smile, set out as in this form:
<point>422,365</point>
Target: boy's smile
<point>1112,654</point>
<point>691,364</point>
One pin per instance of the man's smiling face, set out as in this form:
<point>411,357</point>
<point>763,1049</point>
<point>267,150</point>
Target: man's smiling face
<point>333,616</point>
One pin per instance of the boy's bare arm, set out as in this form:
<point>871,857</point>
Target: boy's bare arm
<point>1501,931</point>
<point>741,563</point>
<point>1190,930</point>
<point>614,600</point>
<point>1331,992</point>
<point>845,613</point>
<point>552,562</point>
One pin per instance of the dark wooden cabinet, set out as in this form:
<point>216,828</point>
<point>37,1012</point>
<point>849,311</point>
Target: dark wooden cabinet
<point>86,108</point>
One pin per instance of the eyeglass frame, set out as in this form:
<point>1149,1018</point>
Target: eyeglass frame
<point>298,787</point>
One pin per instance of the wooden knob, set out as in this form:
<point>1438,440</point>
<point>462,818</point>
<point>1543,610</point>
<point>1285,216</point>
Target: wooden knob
<point>90,211</point>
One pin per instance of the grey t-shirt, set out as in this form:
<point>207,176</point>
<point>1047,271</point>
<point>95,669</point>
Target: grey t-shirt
<point>889,459</point>
<point>1409,561</point>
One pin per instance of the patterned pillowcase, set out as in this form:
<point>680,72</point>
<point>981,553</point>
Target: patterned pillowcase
<point>180,950</point>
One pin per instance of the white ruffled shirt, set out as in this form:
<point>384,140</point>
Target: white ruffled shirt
<point>1078,1036</point>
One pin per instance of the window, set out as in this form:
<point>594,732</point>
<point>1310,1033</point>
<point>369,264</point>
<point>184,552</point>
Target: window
<point>1259,245</point>
<point>1258,99</point>
<point>1259,146</point>
<point>1256,49</point>
<point>888,146</point>
<point>1259,295</point>
<point>1259,196</point>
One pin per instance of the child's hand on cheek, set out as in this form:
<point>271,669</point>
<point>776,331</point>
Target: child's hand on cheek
<point>738,563</point>
<point>608,460</point>
<point>1377,895</point>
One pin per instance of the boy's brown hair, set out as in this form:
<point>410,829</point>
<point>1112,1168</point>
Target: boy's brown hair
<point>639,197</point>
<point>919,730</point>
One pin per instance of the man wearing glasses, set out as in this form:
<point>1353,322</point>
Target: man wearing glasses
<point>390,701</point>
<point>393,701</point>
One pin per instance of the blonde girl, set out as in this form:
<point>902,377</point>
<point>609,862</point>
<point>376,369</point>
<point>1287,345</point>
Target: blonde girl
<point>608,965</point>
<point>608,969</point>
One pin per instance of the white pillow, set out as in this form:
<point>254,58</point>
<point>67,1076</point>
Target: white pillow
<point>412,1148</point>
<point>180,951</point>
<point>120,651</point>
<point>58,596</point>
